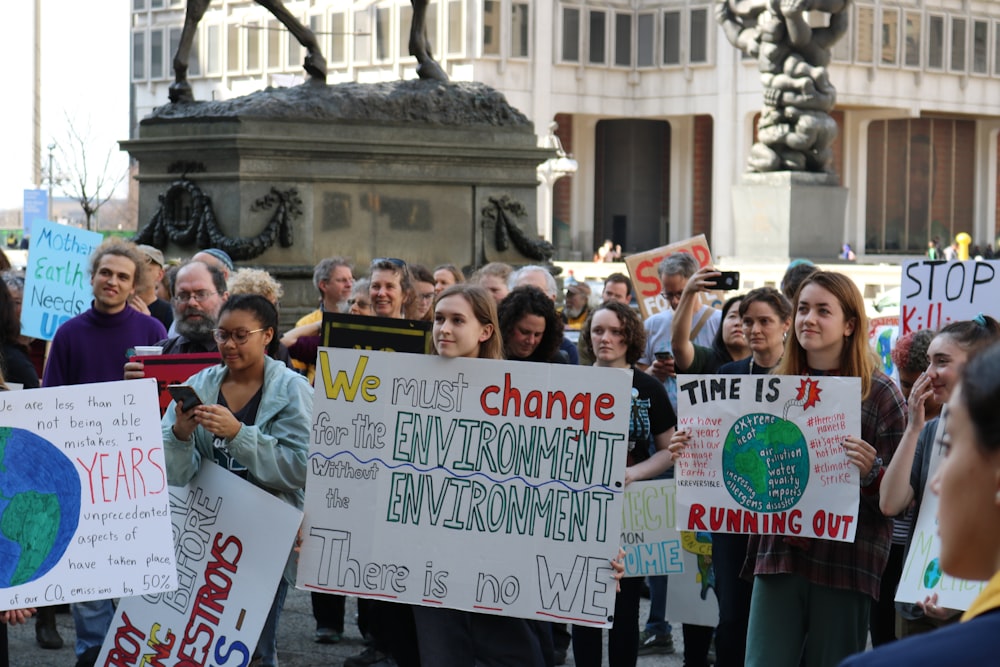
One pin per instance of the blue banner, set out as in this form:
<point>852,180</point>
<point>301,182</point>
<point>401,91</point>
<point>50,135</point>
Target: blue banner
<point>36,208</point>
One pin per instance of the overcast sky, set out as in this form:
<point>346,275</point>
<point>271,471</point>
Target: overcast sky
<point>85,73</point>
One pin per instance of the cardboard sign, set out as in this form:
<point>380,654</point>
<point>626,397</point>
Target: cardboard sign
<point>922,573</point>
<point>649,537</point>
<point>481,485</point>
<point>935,292</point>
<point>228,570</point>
<point>83,494</point>
<point>57,281</point>
<point>169,369</point>
<point>882,334</point>
<point>691,595</point>
<point>766,455</point>
<point>376,333</point>
<point>646,281</point>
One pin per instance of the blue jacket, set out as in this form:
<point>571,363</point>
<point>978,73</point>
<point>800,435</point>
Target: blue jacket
<point>974,643</point>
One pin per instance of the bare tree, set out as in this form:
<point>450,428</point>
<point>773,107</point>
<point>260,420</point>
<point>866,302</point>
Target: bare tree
<point>89,180</point>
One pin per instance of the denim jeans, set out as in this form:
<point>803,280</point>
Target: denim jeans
<point>657,622</point>
<point>267,645</point>
<point>92,620</point>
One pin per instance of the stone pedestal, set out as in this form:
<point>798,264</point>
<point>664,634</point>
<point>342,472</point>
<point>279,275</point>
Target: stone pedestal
<point>402,169</point>
<point>787,214</point>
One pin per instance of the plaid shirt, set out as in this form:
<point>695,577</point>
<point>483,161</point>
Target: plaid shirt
<point>857,566</point>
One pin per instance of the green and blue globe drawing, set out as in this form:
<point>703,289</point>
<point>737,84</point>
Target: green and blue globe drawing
<point>39,506</point>
<point>765,462</point>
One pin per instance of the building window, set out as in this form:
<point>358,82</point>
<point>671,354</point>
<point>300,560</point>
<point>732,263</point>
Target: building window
<point>597,53</point>
<point>645,40</point>
<point>362,37</point>
<point>996,52</point>
<point>138,5</point>
<point>912,58</point>
<point>699,36</point>
<point>957,45</point>
<point>890,36</point>
<point>671,38</point>
<point>138,55</point>
<point>338,38</point>
<point>980,47</point>
<point>273,38</point>
<point>935,42</point>
<point>405,19</point>
<point>491,27</point>
<point>295,55</point>
<point>316,25</point>
<point>570,34</point>
<point>252,31</point>
<point>156,4</point>
<point>455,24</point>
<point>156,54</point>
<point>623,40</point>
<point>232,48</point>
<point>520,30</point>
<point>213,66</point>
<point>383,34</point>
<point>173,44</point>
<point>866,36</point>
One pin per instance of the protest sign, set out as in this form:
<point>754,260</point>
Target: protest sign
<point>935,292</point>
<point>83,494</point>
<point>36,208</point>
<point>472,484</point>
<point>649,537</point>
<point>882,334</point>
<point>376,333</point>
<point>168,369</point>
<point>57,281</point>
<point>691,595</point>
<point>227,570</point>
<point>766,455</point>
<point>922,574</point>
<point>646,281</point>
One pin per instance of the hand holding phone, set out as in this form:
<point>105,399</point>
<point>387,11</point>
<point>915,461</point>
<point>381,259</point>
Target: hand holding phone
<point>184,395</point>
<point>664,355</point>
<point>726,280</point>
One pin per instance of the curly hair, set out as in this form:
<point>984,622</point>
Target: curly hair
<point>528,300</point>
<point>116,246</point>
<point>256,281</point>
<point>635,334</point>
<point>910,351</point>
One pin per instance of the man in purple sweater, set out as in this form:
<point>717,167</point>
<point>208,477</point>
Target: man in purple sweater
<point>91,348</point>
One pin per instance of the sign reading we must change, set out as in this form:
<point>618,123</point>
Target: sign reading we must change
<point>472,484</point>
<point>766,455</point>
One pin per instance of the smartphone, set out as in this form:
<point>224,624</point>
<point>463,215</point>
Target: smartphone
<point>184,395</point>
<point>726,280</point>
<point>663,355</point>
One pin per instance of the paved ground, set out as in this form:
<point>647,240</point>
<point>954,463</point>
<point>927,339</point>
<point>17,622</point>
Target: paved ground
<point>295,643</point>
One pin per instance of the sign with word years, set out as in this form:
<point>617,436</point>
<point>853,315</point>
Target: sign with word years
<point>935,292</point>
<point>922,573</point>
<point>473,484</point>
<point>83,494</point>
<point>57,281</point>
<point>766,455</point>
<point>691,595</point>
<point>646,280</point>
<point>227,570</point>
<point>649,535</point>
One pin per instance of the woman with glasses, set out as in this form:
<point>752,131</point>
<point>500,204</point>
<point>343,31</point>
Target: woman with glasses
<point>253,421</point>
<point>421,298</point>
<point>360,302</point>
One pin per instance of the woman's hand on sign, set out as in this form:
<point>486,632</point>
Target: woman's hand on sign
<point>618,564</point>
<point>218,421</point>
<point>678,443</point>
<point>861,454</point>
<point>931,608</point>
<point>134,370</point>
<point>16,616</point>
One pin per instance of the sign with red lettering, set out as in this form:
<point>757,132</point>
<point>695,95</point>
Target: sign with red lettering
<point>766,455</point>
<point>481,485</point>
<point>646,280</point>
<point>227,570</point>
<point>174,369</point>
<point>935,292</point>
<point>83,494</point>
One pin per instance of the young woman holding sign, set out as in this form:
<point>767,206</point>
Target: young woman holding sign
<point>811,597</point>
<point>968,483</point>
<point>614,336</point>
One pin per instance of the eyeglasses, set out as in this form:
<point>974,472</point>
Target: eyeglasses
<point>395,261</point>
<point>671,295</point>
<point>241,336</point>
<point>359,303</point>
<point>200,296</point>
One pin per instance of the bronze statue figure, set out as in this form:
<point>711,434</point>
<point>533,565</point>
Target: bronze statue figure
<point>315,63</point>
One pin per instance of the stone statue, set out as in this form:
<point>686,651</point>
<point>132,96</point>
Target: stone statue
<point>315,63</point>
<point>796,131</point>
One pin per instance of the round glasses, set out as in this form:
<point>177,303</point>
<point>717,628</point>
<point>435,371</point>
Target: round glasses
<point>241,336</point>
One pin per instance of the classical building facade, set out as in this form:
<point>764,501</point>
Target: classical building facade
<point>655,105</point>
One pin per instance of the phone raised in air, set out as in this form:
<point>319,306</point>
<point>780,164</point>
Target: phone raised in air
<point>726,280</point>
<point>185,395</point>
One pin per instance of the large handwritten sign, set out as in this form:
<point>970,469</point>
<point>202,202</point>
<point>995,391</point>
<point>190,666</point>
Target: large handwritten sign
<point>936,292</point>
<point>57,282</point>
<point>766,455</point>
<point>691,595</point>
<point>227,568</point>
<point>481,485</point>
<point>649,537</point>
<point>646,280</point>
<point>83,494</point>
<point>922,573</point>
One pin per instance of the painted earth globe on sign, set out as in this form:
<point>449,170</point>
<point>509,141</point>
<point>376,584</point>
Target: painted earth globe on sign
<point>765,463</point>
<point>39,506</point>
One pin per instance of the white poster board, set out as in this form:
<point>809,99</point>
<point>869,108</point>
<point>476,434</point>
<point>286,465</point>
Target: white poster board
<point>691,595</point>
<point>766,455</point>
<point>922,574</point>
<point>649,535</point>
<point>228,567</point>
<point>84,509</point>
<point>472,484</point>
<point>934,292</point>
